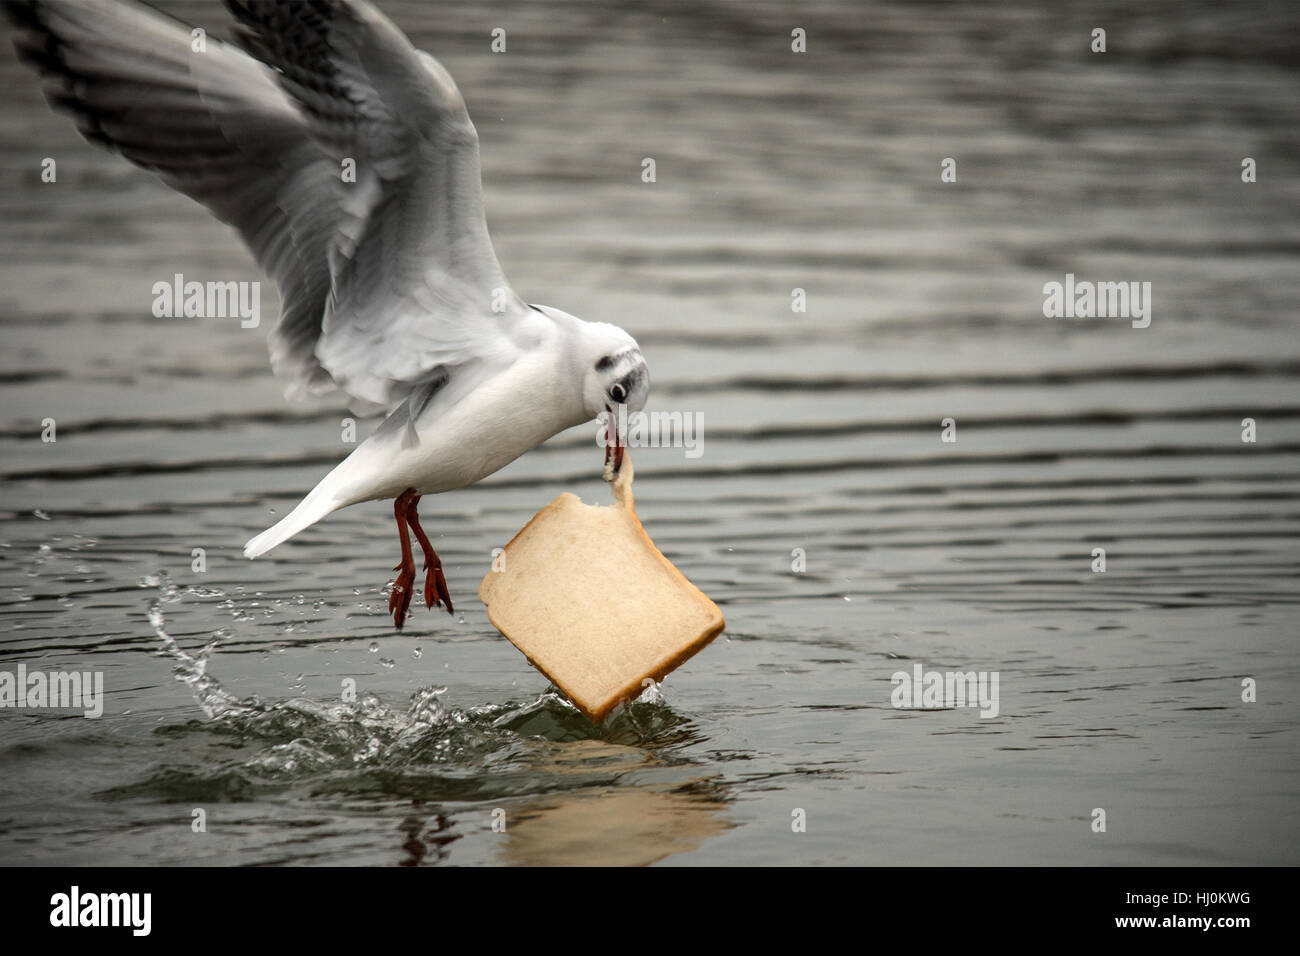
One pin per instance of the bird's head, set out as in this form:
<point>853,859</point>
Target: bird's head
<point>618,377</point>
<point>608,363</point>
<point>617,373</point>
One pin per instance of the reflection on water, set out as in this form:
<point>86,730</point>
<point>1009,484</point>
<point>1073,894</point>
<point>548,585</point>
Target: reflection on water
<point>613,827</point>
<point>775,172</point>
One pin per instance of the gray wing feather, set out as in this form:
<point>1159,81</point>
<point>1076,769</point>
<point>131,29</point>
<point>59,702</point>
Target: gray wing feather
<point>384,280</point>
<point>415,282</point>
<point>215,126</point>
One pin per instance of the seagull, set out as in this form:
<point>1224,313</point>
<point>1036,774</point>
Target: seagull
<point>347,162</point>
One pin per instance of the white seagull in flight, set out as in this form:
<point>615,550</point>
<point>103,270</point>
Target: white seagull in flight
<point>391,290</point>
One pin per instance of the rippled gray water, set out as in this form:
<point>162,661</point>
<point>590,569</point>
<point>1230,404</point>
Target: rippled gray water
<point>819,171</point>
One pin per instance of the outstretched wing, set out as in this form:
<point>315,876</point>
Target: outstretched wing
<point>213,125</point>
<point>385,280</point>
<point>416,284</point>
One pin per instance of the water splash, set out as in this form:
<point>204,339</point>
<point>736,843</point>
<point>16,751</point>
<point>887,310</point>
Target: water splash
<point>191,669</point>
<point>300,737</point>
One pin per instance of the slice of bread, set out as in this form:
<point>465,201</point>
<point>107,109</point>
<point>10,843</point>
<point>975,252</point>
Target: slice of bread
<point>588,598</point>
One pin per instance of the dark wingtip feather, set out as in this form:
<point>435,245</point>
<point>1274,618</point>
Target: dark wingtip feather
<point>19,12</point>
<point>39,48</point>
<point>31,37</point>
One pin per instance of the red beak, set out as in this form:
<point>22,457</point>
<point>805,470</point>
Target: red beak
<point>613,442</point>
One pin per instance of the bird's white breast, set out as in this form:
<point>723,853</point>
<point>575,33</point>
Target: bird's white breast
<point>464,435</point>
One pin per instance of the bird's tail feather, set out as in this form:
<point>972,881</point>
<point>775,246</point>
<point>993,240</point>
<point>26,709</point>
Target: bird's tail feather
<point>310,510</point>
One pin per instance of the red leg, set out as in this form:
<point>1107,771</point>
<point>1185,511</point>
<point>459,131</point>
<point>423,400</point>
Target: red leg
<point>399,601</point>
<point>435,585</point>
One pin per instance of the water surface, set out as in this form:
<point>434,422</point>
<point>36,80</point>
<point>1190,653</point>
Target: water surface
<point>775,171</point>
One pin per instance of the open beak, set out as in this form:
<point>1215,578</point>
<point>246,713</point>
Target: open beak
<point>613,443</point>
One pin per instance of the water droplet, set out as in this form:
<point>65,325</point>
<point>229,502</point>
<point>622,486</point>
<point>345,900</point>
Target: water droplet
<point>417,653</point>
<point>374,647</point>
<point>41,514</point>
<point>387,662</point>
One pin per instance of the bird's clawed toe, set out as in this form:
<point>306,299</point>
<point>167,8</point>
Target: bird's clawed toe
<point>399,599</point>
<point>435,588</point>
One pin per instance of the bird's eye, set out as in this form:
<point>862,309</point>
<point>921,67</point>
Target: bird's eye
<point>618,393</point>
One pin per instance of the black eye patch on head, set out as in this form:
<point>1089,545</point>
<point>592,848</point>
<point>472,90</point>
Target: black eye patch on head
<point>632,379</point>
